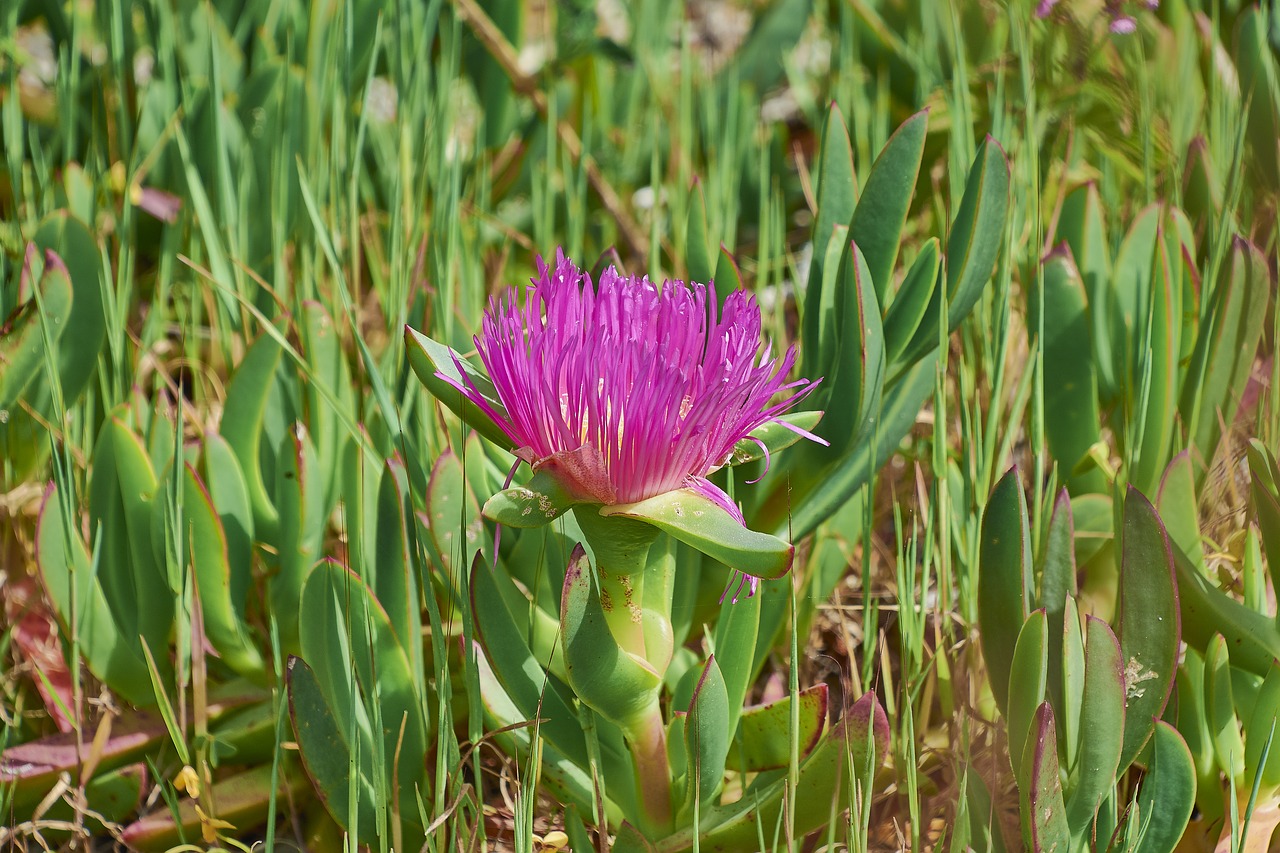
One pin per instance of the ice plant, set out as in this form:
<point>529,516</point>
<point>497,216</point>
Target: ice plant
<point>624,397</point>
<point>619,391</point>
<point>622,390</point>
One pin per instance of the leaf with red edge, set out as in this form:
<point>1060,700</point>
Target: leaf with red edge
<point>765,731</point>
<point>1150,623</point>
<point>1044,816</point>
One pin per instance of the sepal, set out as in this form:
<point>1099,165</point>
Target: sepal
<point>538,502</point>
<point>702,523</point>
<point>444,371</point>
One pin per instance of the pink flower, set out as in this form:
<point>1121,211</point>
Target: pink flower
<point>622,390</point>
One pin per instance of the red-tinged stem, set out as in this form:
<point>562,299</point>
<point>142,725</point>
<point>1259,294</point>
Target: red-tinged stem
<point>648,742</point>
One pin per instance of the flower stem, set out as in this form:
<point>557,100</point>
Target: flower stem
<point>648,742</point>
<point>621,597</point>
<point>621,550</point>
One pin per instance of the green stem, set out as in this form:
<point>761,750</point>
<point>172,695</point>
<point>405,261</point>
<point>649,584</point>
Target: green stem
<point>648,742</point>
<point>620,596</point>
<point>621,550</point>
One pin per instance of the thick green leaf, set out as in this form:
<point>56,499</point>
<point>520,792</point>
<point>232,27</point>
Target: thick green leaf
<point>857,377</point>
<point>801,513</point>
<point>394,581</point>
<point>823,779</point>
<point>1202,193</point>
<point>728,276</point>
<point>704,524</point>
<point>737,630</point>
<point>1194,728</point>
<point>1044,816</point>
<point>1071,418</point>
<point>1073,680</point>
<point>707,735</point>
<point>1094,521</point>
<point>1177,504</point>
<point>300,538</point>
<point>699,246</point>
<point>1082,224</point>
<point>365,678</point>
<point>221,608</point>
<point>1156,368</point>
<point>1057,584</point>
<point>765,742</point>
<point>826,317</point>
<point>23,345</point>
<point>1168,793</point>
<point>230,495</point>
<point>911,302</point>
<point>570,781</point>
<point>1220,711</point>
<point>454,516</point>
<point>837,194</point>
<point>525,683</point>
<point>1263,724</point>
<point>631,840</point>
<point>74,590</point>
<point>774,436</point>
<point>881,213</point>
<point>154,420</point>
<point>361,480</point>
<point>326,754</point>
<point>122,491</point>
<point>246,735</point>
<point>1028,675</point>
<point>973,245</point>
<point>1149,619</point>
<point>616,684</point>
<point>242,419</point>
<point>1004,580</point>
<point>1207,610</point>
<point>330,373</point>
<point>432,361</point>
<point>1225,348</point>
<point>1129,290</point>
<point>1093,777</point>
<point>86,328</point>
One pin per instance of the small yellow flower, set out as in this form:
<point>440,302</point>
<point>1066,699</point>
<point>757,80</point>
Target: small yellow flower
<point>209,826</point>
<point>554,841</point>
<point>188,780</point>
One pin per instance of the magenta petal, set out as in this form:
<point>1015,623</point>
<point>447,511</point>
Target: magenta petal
<point>624,390</point>
<point>717,495</point>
